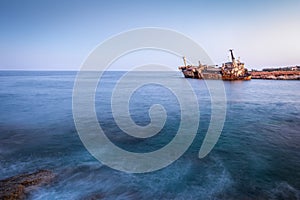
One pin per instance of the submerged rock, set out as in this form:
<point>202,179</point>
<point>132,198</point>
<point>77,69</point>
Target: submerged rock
<point>18,187</point>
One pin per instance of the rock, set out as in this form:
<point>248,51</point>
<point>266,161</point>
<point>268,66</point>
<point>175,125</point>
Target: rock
<point>18,187</point>
<point>276,75</point>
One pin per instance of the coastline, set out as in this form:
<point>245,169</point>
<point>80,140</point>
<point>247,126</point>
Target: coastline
<point>276,75</point>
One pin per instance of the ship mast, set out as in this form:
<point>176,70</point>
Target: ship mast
<point>232,57</point>
<point>184,60</point>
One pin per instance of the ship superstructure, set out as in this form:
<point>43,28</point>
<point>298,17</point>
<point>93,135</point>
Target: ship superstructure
<point>234,70</point>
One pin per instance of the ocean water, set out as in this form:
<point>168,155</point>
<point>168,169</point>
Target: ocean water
<point>256,157</point>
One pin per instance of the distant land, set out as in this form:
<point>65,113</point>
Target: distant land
<point>281,73</point>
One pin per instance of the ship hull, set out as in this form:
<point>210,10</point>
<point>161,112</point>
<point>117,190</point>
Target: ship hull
<point>243,78</point>
<point>201,73</point>
<point>213,76</point>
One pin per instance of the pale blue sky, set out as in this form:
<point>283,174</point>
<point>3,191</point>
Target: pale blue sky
<point>53,34</point>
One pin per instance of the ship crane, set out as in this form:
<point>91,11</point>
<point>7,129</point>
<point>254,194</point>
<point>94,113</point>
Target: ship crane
<point>232,57</point>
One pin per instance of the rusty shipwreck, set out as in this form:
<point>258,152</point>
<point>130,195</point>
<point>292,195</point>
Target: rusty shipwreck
<point>234,70</point>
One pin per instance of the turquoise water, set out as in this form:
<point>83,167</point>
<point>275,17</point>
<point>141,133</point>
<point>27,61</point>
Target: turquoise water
<point>256,157</point>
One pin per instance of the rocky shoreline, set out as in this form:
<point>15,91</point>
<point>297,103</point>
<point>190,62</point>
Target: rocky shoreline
<point>20,186</point>
<point>276,75</point>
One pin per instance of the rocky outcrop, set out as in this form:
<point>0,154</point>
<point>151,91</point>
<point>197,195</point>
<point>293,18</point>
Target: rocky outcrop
<point>18,187</point>
<point>276,75</point>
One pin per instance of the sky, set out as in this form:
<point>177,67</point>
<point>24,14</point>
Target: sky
<point>60,34</point>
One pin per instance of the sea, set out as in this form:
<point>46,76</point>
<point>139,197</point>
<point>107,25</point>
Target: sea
<point>257,155</point>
